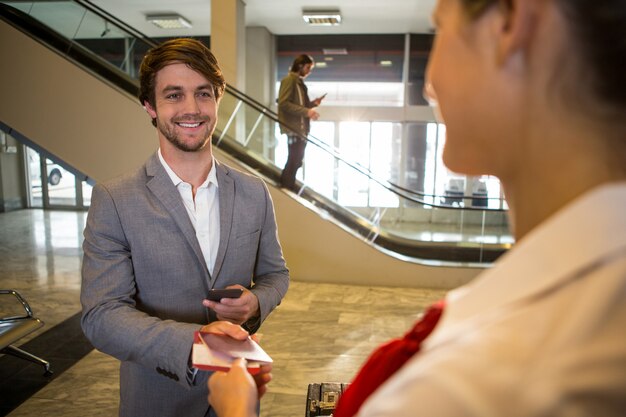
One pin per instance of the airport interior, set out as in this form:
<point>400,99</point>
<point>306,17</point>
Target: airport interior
<point>376,230</point>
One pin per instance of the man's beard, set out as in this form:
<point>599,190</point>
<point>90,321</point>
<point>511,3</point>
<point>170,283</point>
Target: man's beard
<point>173,138</point>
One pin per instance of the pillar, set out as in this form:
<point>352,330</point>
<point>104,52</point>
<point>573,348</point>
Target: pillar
<point>228,39</point>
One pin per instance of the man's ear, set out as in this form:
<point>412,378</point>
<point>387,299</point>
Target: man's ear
<point>149,109</point>
<point>518,26</point>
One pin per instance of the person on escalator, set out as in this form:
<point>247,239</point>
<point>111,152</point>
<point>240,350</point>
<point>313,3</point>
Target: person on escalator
<point>532,92</point>
<point>295,112</point>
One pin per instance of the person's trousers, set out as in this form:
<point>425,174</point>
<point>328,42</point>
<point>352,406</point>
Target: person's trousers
<point>294,160</point>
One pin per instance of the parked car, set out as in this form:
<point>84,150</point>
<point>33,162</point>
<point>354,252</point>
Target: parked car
<point>54,174</point>
<point>55,171</point>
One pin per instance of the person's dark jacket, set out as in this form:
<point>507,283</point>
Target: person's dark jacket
<point>293,109</point>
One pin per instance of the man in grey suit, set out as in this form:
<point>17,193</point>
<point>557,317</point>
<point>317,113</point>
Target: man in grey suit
<point>158,239</point>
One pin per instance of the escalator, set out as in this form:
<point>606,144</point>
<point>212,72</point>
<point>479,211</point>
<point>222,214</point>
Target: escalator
<point>81,107</point>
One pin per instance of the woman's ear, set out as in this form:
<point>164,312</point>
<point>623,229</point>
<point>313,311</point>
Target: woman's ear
<point>518,26</point>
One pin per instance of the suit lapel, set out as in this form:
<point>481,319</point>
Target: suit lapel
<point>162,187</point>
<point>226,189</point>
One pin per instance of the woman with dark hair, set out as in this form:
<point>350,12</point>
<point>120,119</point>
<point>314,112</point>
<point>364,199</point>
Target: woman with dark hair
<point>533,92</point>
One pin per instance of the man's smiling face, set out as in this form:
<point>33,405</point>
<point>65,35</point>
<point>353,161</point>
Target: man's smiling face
<point>185,107</point>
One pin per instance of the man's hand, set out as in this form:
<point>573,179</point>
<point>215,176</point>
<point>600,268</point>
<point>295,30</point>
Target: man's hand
<point>312,114</point>
<point>318,100</point>
<point>226,328</point>
<point>235,310</point>
<point>233,394</point>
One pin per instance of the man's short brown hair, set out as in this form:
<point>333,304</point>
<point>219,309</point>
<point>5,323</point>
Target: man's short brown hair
<point>190,52</point>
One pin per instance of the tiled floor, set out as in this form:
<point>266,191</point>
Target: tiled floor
<point>321,332</point>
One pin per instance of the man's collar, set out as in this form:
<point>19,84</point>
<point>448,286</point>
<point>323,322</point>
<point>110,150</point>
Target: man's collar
<point>211,178</point>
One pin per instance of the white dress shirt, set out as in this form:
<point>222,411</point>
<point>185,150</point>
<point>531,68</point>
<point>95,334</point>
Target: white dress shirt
<point>203,211</point>
<point>542,333</point>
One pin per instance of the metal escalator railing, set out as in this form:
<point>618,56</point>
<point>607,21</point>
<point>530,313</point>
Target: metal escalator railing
<point>395,219</point>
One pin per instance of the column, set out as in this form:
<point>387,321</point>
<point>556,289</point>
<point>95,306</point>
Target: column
<point>228,39</point>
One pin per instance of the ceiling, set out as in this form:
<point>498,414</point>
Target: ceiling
<point>281,17</point>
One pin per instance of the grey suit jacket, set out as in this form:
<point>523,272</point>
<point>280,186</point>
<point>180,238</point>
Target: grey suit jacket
<point>144,279</point>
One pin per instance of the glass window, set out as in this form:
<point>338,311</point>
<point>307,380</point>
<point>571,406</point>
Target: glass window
<point>430,163</point>
<point>319,165</point>
<point>281,149</point>
<point>443,186</point>
<point>420,47</point>
<point>384,162</point>
<point>86,193</point>
<point>54,185</point>
<point>61,185</point>
<point>414,162</point>
<point>354,144</point>
<point>33,170</point>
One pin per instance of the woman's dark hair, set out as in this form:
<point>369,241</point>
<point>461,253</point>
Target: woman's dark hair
<point>301,61</point>
<point>190,52</point>
<point>598,28</point>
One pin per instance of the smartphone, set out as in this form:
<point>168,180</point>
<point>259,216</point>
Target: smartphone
<point>218,294</point>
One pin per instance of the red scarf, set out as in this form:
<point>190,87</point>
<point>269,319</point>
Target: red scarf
<point>385,361</point>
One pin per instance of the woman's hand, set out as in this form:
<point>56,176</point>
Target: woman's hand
<point>262,379</point>
<point>227,328</point>
<point>235,393</point>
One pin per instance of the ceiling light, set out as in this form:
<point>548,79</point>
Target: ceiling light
<point>168,21</point>
<point>321,65</point>
<point>322,17</point>
<point>334,51</point>
<point>386,63</point>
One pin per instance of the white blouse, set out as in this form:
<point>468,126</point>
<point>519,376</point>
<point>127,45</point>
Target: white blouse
<point>542,333</point>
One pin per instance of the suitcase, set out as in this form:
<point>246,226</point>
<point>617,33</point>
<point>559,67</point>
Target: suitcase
<point>322,398</point>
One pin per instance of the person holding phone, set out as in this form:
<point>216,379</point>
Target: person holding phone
<point>295,112</point>
<point>158,239</point>
<point>533,92</point>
